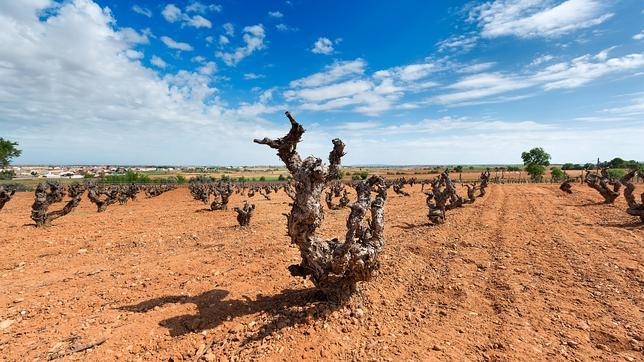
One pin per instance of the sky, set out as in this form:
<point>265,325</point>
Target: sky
<point>406,82</point>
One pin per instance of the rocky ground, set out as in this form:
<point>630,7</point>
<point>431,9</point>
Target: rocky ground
<point>525,273</point>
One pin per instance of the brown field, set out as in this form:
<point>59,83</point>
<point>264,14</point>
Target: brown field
<point>525,273</point>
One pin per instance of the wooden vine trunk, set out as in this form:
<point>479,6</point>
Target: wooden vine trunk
<point>566,186</point>
<point>602,183</point>
<point>485,178</point>
<point>102,196</point>
<point>634,208</point>
<point>245,213</point>
<point>334,266</point>
<point>52,192</point>
<point>471,192</point>
<point>5,196</point>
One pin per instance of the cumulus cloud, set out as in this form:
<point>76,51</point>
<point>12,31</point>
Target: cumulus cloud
<point>198,7</point>
<point>229,29</point>
<point>533,18</point>
<point>253,41</point>
<point>344,85</point>
<point>639,36</point>
<point>173,14</point>
<point>284,28</point>
<point>69,85</point>
<point>158,62</point>
<point>209,68</point>
<point>131,36</point>
<point>171,43</point>
<point>275,14</point>
<point>323,46</point>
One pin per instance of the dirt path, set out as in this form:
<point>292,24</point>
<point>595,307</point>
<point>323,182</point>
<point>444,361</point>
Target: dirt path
<point>524,273</point>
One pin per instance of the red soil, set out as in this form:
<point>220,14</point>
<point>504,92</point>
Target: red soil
<point>525,273</point>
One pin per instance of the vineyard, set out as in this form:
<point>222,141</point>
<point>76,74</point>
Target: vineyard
<point>322,268</point>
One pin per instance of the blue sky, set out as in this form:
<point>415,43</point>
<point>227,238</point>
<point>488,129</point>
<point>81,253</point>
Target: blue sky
<point>410,82</point>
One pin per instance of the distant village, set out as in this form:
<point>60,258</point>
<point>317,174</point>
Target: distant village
<point>79,172</point>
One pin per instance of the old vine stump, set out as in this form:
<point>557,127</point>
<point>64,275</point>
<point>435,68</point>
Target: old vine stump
<point>334,266</point>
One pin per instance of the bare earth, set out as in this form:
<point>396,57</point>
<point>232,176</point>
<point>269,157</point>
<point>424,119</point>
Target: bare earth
<point>526,273</point>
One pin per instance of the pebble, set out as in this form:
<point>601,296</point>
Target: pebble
<point>358,313</point>
<point>6,323</point>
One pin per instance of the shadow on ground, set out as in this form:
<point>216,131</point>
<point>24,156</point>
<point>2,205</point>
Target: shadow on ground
<point>288,308</point>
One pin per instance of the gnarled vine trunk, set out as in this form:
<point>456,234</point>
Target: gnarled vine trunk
<point>245,213</point>
<point>634,208</point>
<point>334,266</point>
<point>102,196</point>
<point>50,193</point>
<point>602,183</point>
<point>337,190</point>
<point>566,186</point>
<point>484,178</point>
<point>5,196</point>
<point>471,192</point>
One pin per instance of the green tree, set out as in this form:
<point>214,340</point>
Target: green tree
<point>616,172</point>
<point>8,150</point>
<point>535,161</point>
<point>616,163</point>
<point>458,168</point>
<point>557,174</point>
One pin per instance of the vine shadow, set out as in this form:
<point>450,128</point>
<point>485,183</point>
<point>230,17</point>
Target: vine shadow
<point>288,308</point>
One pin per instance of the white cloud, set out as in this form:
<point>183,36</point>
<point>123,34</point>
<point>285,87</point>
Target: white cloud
<point>633,110</point>
<point>170,43</point>
<point>344,85</point>
<point>475,68</point>
<point>458,42</point>
<point>285,28</point>
<point>198,21</point>
<point>535,18</point>
<point>131,36</point>
<point>254,40</point>
<point>542,59</point>
<point>639,36</point>
<point>90,96</point>
<point>266,95</point>
<point>209,68</point>
<point>158,62</point>
<point>338,90</point>
<point>223,40</point>
<point>198,7</point>
<point>229,29</point>
<point>332,73</point>
<point>410,72</point>
<point>141,10</point>
<point>275,14</point>
<point>134,54</point>
<point>323,46</point>
<point>172,14</point>
<point>358,126</point>
<point>252,76</point>
<point>563,75</point>
<point>583,70</point>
